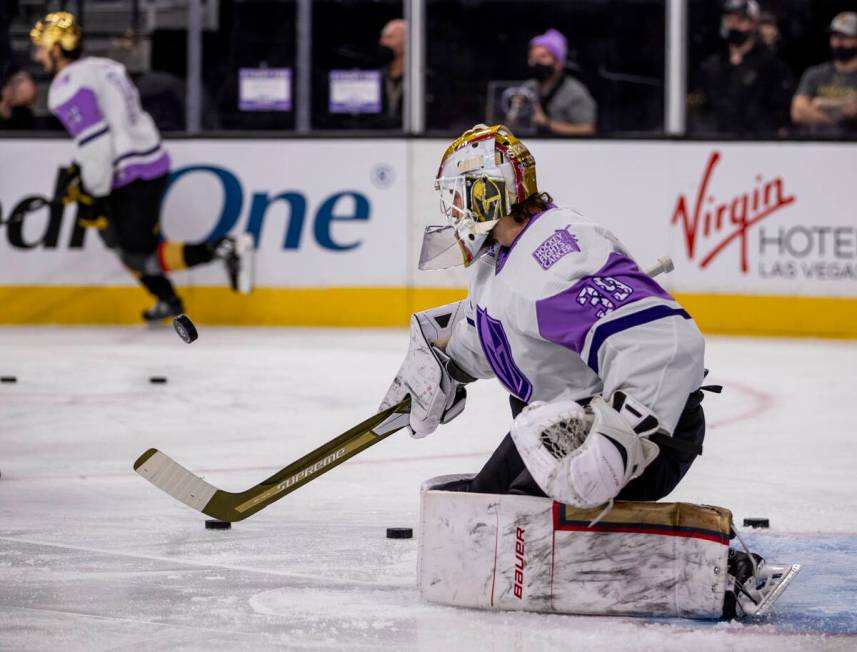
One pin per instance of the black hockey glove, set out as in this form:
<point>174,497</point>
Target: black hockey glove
<point>68,188</point>
<point>92,212</point>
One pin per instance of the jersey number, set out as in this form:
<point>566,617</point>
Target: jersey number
<point>602,297</point>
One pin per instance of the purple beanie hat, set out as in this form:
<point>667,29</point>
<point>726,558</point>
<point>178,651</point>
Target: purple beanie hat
<point>554,42</point>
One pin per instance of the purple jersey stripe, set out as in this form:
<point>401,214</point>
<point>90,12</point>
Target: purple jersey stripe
<point>498,352</point>
<point>151,170</point>
<point>148,152</point>
<point>567,317</point>
<point>80,112</point>
<point>93,136</point>
<point>646,316</point>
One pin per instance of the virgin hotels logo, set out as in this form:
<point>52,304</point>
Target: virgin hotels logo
<point>717,222</point>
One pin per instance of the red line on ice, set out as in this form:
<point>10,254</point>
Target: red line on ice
<point>762,402</point>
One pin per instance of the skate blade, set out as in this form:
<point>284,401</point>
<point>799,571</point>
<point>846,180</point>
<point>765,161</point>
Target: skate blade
<point>782,583</point>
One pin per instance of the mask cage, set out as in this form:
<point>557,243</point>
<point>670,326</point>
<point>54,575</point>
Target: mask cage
<point>480,198</point>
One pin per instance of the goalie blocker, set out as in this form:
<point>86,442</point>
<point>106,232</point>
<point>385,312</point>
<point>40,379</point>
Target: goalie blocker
<point>514,552</point>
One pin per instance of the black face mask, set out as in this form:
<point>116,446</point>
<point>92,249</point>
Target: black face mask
<point>843,54</point>
<point>540,71</point>
<point>384,55</point>
<point>737,37</point>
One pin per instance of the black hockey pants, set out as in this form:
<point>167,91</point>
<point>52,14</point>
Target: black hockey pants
<point>505,472</point>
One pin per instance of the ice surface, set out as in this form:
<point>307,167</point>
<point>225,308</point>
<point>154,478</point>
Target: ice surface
<point>92,557</point>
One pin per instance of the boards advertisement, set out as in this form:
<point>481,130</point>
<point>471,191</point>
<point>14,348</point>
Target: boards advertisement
<point>768,221</point>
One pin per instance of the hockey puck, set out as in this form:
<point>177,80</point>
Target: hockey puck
<point>8,379</point>
<point>399,533</point>
<point>213,524</point>
<point>756,522</point>
<point>185,328</point>
<point>158,380</point>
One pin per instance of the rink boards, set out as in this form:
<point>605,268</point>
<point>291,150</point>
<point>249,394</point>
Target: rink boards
<point>762,234</point>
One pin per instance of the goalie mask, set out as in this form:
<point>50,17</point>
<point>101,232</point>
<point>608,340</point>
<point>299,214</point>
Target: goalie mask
<point>482,174</point>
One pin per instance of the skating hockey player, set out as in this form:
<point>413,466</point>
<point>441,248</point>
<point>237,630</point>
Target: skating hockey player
<point>121,169</point>
<point>603,366</point>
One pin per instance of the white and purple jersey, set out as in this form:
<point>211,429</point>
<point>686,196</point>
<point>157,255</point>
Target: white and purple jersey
<point>564,312</point>
<point>117,142</point>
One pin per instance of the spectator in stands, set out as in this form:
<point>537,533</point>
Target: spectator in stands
<point>564,106</point>
<point>17,99</point>
<point>826,99</point>
<point>744,90</point>
<point>769,31</point>
<point>392,43</point>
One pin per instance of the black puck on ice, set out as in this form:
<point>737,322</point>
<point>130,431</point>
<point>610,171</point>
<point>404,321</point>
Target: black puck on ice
<point>185,328</point>
<point>399,533</point>
<point>8,379</point>
<point>213,524</point>
<point>157,380</point>
<point>756,522</point>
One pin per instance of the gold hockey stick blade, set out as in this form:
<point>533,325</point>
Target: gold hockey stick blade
<point>172,478</point>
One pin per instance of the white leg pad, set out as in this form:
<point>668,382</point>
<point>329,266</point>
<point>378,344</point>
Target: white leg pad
<point>532,554</point>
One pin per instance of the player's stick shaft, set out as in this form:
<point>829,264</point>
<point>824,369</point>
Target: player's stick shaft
<point>664,265</point>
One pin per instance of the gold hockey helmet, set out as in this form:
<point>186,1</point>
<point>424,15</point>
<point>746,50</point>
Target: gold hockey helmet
<point>468,155</point>
<point>57,27</point>
<point>482,175</point>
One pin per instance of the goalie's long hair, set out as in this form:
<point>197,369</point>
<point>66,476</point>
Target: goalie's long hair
<point>531,206</point>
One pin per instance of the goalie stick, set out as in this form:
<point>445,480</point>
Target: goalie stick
<point>171,477</point>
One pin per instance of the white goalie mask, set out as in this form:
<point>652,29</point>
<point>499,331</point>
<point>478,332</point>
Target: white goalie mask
<point>483,173</point>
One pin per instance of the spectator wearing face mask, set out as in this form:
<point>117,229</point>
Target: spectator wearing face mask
<point>745,90</point>
<point>392,45</point>
<point>826,99</point>
<point>564,106</point>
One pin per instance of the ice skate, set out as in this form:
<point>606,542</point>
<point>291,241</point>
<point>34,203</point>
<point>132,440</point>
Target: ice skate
<point>237,252</point>
<point>755,589</point>
<point>759,593</point>
<point>162,310</point>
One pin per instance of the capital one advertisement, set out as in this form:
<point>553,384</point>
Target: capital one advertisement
<point>324,213</point>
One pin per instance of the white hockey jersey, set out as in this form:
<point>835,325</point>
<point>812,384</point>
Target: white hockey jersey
<point>564,312</point>
<point>117,142</point>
